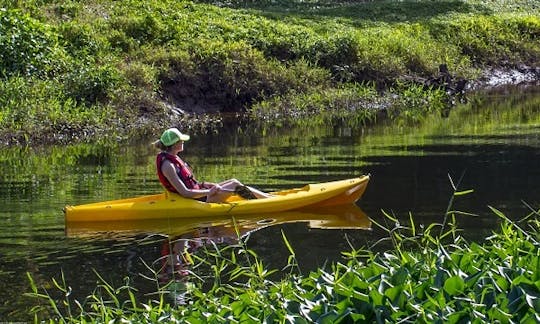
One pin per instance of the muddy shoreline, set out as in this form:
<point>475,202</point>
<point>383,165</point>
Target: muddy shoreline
<point>497,77</point>
<point>203,122</point>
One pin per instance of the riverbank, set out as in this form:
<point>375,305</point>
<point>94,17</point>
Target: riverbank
<point>103,70</point>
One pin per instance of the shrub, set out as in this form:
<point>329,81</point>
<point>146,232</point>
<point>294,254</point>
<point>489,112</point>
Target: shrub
<point>412,103</point>
<point>234,75</point>
<point>80,41</point>
<point>36,110</point>
<point>27,47</point>
<point>491,40</point>
<point>356,104</point>
<point>90,84</point>
<point>143,29</point>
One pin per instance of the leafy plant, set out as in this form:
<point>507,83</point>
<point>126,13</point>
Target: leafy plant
<point>91,85</point>
<point>27,47</point>
<point>427,274</point>
<point>412,103</point>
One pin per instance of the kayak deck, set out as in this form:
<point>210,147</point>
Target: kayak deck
<point>171,205</point>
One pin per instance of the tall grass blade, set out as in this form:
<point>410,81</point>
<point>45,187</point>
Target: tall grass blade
<point>287,243</point>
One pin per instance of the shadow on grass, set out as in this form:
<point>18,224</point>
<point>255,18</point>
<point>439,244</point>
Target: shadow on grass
<point>360,11</point>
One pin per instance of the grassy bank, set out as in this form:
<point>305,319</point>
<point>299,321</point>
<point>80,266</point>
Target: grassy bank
<point>81,70</point>
<point>422,274</point>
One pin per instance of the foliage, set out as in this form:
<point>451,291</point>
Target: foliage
<point>27,47</point>
<point>216,57</point>
<point>232,74</point>
<point>355,104</point>
<point>91,84</point>
<point>492,40</point>
<point>34,107</point>
<point>414,103</point>
<point>427,274</point>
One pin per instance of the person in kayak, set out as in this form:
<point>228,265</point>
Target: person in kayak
<point>176,175</point>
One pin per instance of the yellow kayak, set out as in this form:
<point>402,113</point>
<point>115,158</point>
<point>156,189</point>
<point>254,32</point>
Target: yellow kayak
<point>170,205</point>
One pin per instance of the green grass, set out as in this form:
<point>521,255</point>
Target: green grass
<point>123,64</point>
<point>422,274</point>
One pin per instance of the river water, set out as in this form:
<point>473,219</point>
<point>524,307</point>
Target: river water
<point>493,148</point>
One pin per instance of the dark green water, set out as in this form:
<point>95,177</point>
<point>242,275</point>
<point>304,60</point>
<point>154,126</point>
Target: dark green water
<point>494,146</point>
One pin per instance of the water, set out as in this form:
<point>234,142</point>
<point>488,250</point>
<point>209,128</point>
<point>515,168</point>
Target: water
<point>494,150</point>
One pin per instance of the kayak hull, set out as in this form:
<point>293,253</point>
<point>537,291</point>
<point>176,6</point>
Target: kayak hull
<point>170,205</point>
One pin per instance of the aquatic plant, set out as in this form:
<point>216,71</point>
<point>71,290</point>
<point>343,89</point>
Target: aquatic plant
<point>427,274</point>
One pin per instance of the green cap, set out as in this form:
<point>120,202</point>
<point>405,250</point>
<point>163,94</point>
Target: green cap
<point>171,136</point>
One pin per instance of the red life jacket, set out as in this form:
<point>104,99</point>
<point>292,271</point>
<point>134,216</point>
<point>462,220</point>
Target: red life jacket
<point>182,170</point>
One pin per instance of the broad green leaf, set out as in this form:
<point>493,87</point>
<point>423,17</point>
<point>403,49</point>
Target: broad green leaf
<point>454,285</point>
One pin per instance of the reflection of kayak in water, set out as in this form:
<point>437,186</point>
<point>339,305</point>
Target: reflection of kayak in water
<point>169,205</point>
<point>223,227</point>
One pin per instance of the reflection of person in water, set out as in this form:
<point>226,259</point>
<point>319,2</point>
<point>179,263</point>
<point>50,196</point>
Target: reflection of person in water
<point>176,252</point>
<point>174,257</point>
<point>175,263</point>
